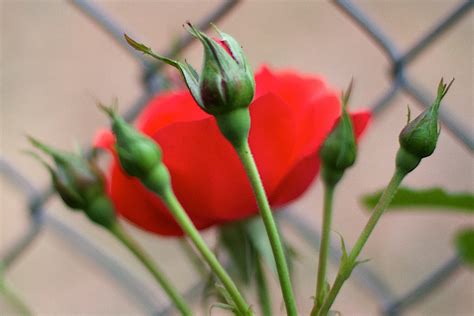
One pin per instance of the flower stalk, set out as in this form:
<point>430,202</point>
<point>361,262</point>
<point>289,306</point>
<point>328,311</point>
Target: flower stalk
<point>188,227</point>
<point>321,285</point>
<point>12,297</point>
<point>348,263</point>
<point>177,299</point>
<point>246,157</point>
<point>81,186</point>
<point>418,140</point>
<point>337,154</point>
<point>141,157</point>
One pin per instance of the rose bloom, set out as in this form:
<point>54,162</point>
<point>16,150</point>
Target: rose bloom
<point>291,116</point>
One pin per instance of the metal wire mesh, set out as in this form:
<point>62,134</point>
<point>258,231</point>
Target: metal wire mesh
<point>400,82</point>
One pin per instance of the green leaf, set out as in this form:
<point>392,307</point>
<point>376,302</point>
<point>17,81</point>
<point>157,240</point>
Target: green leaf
<point>344,256</point>
<point>222,306</point>
<point>264,297</point>
<point>258,237</point>
<point>433,198</point>
<point>235,240</point>
<point>464,241</point>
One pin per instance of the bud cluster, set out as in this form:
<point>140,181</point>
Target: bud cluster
<point>79,183</point>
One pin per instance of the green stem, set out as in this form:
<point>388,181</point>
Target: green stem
<point>188,227</point>
<point>118,231</point>
<point>262,289</point>
<point>349,263</point>
<point>12,297</point>
<point>250,167</point>
<point>324,248</point>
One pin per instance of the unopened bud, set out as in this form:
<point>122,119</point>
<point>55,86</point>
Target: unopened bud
<point>79,183</point>
<point>101,211</point>
<point>226,82</point>
<point>137,153</point>
<point>419,137</point>
<point>339,150</point>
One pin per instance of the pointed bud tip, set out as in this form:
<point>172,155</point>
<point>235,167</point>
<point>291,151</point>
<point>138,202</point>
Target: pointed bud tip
<point>345,96</point>
<point>192,29</point>
<point>111,111</point>
<point>443,88</point>
<point>218,31</point>
<point>38,144</point>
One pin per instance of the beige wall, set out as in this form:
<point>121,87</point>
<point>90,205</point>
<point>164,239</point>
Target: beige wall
<point>55,63</point>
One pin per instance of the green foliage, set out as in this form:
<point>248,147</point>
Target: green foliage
<point>464,241</point>
<point>433,198</point>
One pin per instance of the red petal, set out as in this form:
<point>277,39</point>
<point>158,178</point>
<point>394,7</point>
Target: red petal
<point>134,202</point>
<point>293,87</point>
<point>291,116</point>
<point>168,108</point>
<point>304,171</point>
<point>130,202</point>
<point>104,139</point>
<point>209,179</point>
<point>360,120</point>
<point>298,179</point>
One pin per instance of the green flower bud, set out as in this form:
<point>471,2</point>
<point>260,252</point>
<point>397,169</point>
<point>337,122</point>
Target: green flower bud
<point>226,82</point>
<point>339,150</point>
<point>137,153</point>
<point>76,179</point>
<point>79,183</point>
<point>101,211</point>
<point>158,180</point>
<point>419,137</point>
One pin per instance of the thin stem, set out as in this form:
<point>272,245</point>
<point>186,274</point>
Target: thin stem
<point>12,297</point>
<point>118,231</point>
<point>262,289</point>
<point>250,167</point>
<point>324,248</point>
<point>188,227</point>
<point>349,263</point>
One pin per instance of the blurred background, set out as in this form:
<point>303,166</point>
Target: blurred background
<point>56,62</point>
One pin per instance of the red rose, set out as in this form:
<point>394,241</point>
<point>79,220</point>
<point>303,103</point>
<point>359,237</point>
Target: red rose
<point>291,115</point>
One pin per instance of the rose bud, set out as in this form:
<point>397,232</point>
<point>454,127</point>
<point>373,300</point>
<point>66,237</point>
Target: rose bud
<point>138,154</point>
<point>79,183</point>
<point>226,82</point>
<point>419,137</point>
<point>339,150</point>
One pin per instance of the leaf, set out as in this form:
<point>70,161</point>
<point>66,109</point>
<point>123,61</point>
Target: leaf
<point>436,198</point>
<point>264,297</point>
<point>221,306</point>
<point>344,255</point>
<point>464,241</point>
<point>259,240</point>
<point>258,237</point>
<point>237,244</point>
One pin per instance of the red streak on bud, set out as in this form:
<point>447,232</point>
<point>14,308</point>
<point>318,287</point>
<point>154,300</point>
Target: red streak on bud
<point>224,45</point>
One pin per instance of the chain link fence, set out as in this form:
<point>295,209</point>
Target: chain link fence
<point>390,304</point>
